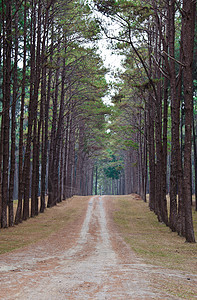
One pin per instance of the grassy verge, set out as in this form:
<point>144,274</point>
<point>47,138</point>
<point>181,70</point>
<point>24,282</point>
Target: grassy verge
<point>40,227</point>
<point>151,239</point>
<point>156,244</point>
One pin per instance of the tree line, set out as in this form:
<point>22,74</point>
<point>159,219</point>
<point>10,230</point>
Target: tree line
<point>154,103</point>
<point>52,118</point>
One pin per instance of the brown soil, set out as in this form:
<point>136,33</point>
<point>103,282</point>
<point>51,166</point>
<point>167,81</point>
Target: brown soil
<point>85,260</point>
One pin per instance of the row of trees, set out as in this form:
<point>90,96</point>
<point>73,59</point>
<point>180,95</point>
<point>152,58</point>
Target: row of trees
<point>52,118</point>
<point>154,103</point>
<point>53,125</point>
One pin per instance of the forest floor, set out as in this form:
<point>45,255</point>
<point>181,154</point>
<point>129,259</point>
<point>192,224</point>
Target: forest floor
<point>78,251</point>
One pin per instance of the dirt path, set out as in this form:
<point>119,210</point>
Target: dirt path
<point>91,263</point>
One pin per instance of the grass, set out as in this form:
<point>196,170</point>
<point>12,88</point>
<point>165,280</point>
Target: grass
<point>40,227</point>
<point>151,239</point>
<point>155,242</point>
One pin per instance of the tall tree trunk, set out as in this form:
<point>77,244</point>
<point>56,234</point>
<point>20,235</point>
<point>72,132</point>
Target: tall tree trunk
<point>58,137</point>
<point>66,155</point>
<point>162,140</point>
<point>151,128</point>
<point>96,180</point>
<point>27,161</point>
<point>61,170</point>
<point>195,162</point>
<point>158,137</point>
<point>79,169</point>
<point>46,101</point>
<point>70,161</point>
<point>151,150</point>
<point>1,119</point>
<point>52,151</point>
<point>165,151</point>
<point>181,210</point>
<point>18,216</point>
<point>7,39</point>
<point>1,161</point>
<point>188,23</point>
<point>175,109</point>
<point>36,137</point>
<point>144,158</point>
<point>165,125</point>
<point>13,129</point>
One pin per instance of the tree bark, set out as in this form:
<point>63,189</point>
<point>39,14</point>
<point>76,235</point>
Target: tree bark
<point>36,127</point>
<point>45,94</point>
<point>188,23</point>
<point>175,109</point>
<point>7,40</point>
<point>27,158</point>
<point>18,216</point>
<point>195,162</point>
<point>13,128</point>
<point>96,180</point>
<point>52,151</point>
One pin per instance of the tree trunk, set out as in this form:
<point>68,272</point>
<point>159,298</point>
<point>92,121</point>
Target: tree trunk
<point>36,129</point>
<point>165,151</point>
<point>27,159</point>
<point>195,162</point>
<point>66,156</point>
<point>1,161</point>
<point>96,180</point>
<point>7,40</point>
<point>13,128</point>
<point>46,100</point>
<point>188,23</point>
<point>69,167</point>
<point>151,150</point>
<point>18,216</point>
<point>58,136</point>
<point>158,138</point>
<point>175,109</point>
<point>79,169</point>
<point>52,152</point>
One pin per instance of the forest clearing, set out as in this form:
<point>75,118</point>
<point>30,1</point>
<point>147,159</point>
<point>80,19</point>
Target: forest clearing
<point>100,247</point>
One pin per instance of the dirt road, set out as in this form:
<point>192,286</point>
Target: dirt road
<point>89,262</point>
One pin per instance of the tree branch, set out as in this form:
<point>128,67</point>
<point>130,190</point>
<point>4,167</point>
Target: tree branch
<point>171,57</point>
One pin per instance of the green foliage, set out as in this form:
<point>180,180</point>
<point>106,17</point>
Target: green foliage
<point>107,7</point>
<point>112,172</point>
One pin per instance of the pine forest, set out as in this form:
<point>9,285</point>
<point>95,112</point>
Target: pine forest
<point>59,138</point>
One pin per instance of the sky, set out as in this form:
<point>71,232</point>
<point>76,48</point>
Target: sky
<point>112,62</point>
